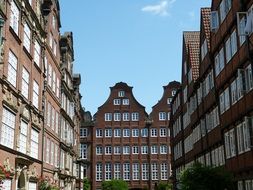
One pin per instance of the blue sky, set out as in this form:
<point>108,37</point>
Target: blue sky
<point>135,41</point>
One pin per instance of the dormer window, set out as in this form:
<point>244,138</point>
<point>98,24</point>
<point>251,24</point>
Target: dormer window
<point>169,100</point>
<point>173,92</point>
<point>121,93</point>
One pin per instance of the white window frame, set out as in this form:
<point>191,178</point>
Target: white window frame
<point>12,68</point>
<point>25,83</point>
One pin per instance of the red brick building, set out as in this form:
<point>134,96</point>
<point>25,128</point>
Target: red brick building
<point>32,107</point>
<point>129,144</point>
<point>212,116</point>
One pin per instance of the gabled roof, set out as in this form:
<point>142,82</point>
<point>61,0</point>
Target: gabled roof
<point>205,19</point>
<point>191,40</point>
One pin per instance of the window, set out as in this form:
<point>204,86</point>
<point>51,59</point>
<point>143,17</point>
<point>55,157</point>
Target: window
<point>117,116</point>
<point>125,116</point>
<point>108,171</point>
<point>50,70</point>
<point>224,101</point>
<point>230,143</point>
<point>54,82</point>
<point>25,83</point>
<point>83,132</point>
<point>153,132</point>
<point>49,107</point>
<point>108,116</point>
<point>249,77</point>
<point>162,116</point>
<point>163,149</point>
<point>51,40</point>
<point>99,133</point>
<point>116,102</point>
<point>144,132</point>
<point>117,132</point>
<point>126,132</point>
<point>126,171</point>
<point>53,118</point>
<point>135,116</point>
<point>214,20</point>
<point>34,143</point>
<point>14,18</point>
<point>23,137</point>
<point>164,171</point>
<point>54,22</point>
<point>233,89</point>
<point>55,47</point>
<point>248,184</point>
<point>240,185</point>
<point>154,149</point>
<point>108,132</point>
<point>52,153</point>
<point>56,162</point>
<point>108,150</point>
<point>135,132</point>
<point>169,100</point>
<point>135,150</point>
<point>168,114</point>
<point>189,76</point>
<point>99,150</point>
<point>117,150</point>
<point>125,101</point>
<point>117,169</point>
<point>35,94</point>
<point>57,87</point>
<point>231,46</point>
<point>163,132</point>
<point>144,149</point>
<point>12,68</point>
<point>126,149</point>
<point>47,144</point>
<point>204,49</point>
<point>6,185</point>
<point>135,171</point>
<point>32,186</point>
<point>225,6</point>
<point>144,171</point>
<point>99,170</point>
<point>37,51</point>
<point>243,136</point>
<point>27,37</point>
<point>219,62</point>
<point>83,151</point>
<point>154,170</point>
<point>121,93</point>
<point>8,126</point>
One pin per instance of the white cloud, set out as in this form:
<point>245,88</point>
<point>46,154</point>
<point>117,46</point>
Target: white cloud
<point>161,8</point>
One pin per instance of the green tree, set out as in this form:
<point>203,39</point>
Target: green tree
<point>114,185</point>
<point>164,186</point>
<point>86,184</point>
<point>200,177</point>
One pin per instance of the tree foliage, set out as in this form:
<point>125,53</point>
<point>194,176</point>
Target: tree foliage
<point>199,177</point>
<point>164,186</point>
<point>86,184</point>
<point>114,185</point>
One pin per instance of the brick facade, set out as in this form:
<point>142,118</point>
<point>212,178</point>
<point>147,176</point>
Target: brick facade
<point>212,115</point>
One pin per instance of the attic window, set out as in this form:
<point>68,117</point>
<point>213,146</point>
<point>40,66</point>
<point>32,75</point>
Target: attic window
<point>121,93</point>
